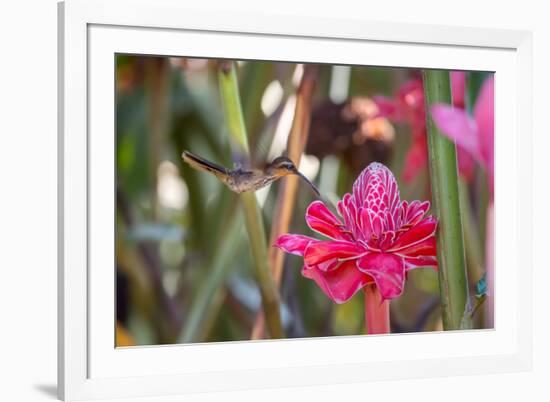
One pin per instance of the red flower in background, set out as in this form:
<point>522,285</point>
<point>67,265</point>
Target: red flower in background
<point>408,106</point>
<point>377,239</point>
<point>458,88</point>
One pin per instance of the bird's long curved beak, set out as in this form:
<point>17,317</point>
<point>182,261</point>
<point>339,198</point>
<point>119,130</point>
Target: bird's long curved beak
<point>304,178</point>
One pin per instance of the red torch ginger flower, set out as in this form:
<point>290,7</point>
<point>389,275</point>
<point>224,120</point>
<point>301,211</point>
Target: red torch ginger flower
<point>377,239</point>
<point>408,106</point>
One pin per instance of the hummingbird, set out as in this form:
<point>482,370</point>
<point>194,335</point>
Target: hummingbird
<point>240,180</point>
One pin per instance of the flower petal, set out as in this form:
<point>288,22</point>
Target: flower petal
<point>349,212</point>
<point>413,212</point>
<point>458,88</point>
<point>387,239</point>
<point>416,234</point>
<point>365,223</point>
<point>415,160</point>
<point>294,244</point>
<point>387,108</point>
<point>323,251</point>
<point>377,226</point>
<point>458,126</point>
<point>484,112</point>
<point>387,270</point>
<point>339,284</point>
<point>466,164</point>
<point>424,248</point>
<point>320,219</point>
<point>420,262</point>
<point>376,186</point>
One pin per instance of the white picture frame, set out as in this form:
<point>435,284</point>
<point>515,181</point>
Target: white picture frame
<point>91,32</point>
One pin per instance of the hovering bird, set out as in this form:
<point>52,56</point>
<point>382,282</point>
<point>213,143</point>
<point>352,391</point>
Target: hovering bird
<point>240,180</point>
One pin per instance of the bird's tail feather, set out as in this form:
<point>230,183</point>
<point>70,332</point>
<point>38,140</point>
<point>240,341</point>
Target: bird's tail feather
<point>199,163</point>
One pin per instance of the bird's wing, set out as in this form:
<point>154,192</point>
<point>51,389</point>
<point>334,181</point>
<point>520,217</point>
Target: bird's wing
<point>202,164</point>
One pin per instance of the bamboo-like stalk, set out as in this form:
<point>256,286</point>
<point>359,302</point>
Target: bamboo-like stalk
<point>453,282</point>
<point>377,311</point>
<point>253,218</point>
<point>297,140</point>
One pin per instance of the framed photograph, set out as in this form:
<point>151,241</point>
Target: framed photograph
<point>254,201</point>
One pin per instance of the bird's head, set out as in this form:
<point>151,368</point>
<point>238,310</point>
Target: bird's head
<point>283,166</point>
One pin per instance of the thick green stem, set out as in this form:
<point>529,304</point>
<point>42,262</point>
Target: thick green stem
<point>377,311</point>
<point>258,246</point>
<point>253,218</point>
<point>453,282</point>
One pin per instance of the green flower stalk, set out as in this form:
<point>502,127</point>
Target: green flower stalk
<point>231,103</point>
<point>453,281</point>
